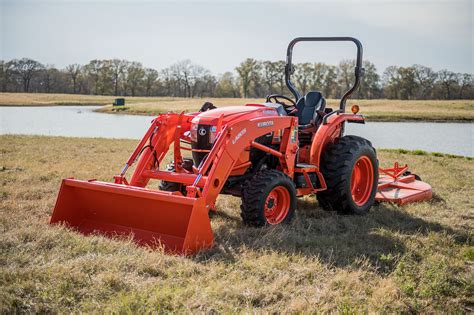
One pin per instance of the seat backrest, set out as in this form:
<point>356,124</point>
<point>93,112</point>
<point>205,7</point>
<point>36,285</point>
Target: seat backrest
<point>308,106</point>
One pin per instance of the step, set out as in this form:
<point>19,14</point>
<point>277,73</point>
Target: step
<point>305,165</point>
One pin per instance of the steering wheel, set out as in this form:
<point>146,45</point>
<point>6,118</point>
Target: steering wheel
<point>277,96</point>
<point>290,109</point>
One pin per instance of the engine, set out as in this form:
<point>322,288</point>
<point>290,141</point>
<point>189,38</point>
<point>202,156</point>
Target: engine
<point>202,138</point>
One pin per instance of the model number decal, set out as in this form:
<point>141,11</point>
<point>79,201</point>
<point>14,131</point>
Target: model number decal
<point>265,124</point>
<point>239,135</point>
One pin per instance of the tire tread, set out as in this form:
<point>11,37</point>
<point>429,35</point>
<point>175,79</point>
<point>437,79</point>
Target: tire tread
<point>253,191</point>
<point>336,164</point>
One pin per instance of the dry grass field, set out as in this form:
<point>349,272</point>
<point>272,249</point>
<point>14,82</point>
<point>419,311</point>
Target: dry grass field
<point>375,110</point>
<point>180,103</point>
<point>44,99</point>
<point>417,258</point>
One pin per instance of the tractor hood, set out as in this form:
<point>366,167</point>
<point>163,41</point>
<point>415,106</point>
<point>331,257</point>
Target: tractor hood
<point>229,113</point>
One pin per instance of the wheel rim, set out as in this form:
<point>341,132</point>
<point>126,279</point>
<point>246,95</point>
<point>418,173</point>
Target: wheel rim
<point>362,180</point>
<point>277,205</point>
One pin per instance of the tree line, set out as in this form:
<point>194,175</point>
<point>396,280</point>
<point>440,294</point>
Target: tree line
<point>252,78</point>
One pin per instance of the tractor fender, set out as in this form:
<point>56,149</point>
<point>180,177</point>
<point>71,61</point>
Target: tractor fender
<point>328,132</point>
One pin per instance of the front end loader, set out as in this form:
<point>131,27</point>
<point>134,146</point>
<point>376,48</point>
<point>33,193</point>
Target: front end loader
<point>268,154</point>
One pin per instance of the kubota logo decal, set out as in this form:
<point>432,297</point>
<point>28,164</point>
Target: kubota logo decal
<point>265,124</point>
<point>239,135</point>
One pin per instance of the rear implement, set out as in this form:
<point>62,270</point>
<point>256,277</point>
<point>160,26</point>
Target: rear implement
<point>399,186</point>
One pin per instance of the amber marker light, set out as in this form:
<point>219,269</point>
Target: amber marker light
<point>355,109</point>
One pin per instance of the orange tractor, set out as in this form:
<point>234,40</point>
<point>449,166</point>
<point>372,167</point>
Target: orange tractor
<point>268,154</point>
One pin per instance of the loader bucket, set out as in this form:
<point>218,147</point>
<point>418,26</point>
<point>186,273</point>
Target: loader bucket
<point>154,218</point>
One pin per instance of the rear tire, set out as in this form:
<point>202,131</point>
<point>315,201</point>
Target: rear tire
<point>269,198</point>
<point>350,167</point>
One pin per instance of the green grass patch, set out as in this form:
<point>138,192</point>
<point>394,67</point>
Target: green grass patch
<point>422,152</point>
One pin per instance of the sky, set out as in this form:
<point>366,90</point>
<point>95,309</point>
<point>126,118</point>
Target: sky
<point>220,34</point>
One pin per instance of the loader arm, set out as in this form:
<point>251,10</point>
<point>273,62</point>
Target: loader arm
<point>154,146</point>
<point>210,177</point>
<point>235,138</point>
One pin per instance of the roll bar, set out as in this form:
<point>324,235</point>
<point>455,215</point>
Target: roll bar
<point>358,71</point>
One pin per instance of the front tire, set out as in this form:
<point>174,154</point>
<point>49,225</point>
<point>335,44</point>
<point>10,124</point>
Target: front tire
<point>269,198</point>
<point>172,186</point>
<point>350,167</point>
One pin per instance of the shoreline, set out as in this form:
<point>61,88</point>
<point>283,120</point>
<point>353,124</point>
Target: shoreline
<point>105,110</point>
<point>416,152</point>
<point>54,105</point>
<point>382,114</point>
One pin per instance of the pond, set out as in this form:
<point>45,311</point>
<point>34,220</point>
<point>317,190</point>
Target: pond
<point>82,121</point>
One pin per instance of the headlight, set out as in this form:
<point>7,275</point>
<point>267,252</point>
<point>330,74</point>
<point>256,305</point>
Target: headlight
<point>212,136</point>
<point>194,129</point>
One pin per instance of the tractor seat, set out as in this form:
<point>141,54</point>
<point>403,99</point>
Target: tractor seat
<point>308,107</point>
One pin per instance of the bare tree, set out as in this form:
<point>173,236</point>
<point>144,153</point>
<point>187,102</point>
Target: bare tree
<point>226,86</point>
<point>369,85</point>
<point>448,80</point>
<point>408,83</point>
<point>188,77</point>
<point>205,85</point>
<point>330,82</point>
<point>74,70</point>
<point>303,75</point>
<point>198,79</point>
<point>346,74</point>
<point>280,75</point>
<point>400,82</point>
<point>390,81</point>
<point>26,69</point>
<point>151,77</point>
<point>117,68</point>
<point>135,76</point>
<point>179,77</point>
<point>107,78</point>
<point>425,78</point>
<point>6,74</point>
<point>49,77</point>
<point>465,80</point>
<point>92,70</point>
<point>167,79</point>
<point>317,74</point>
